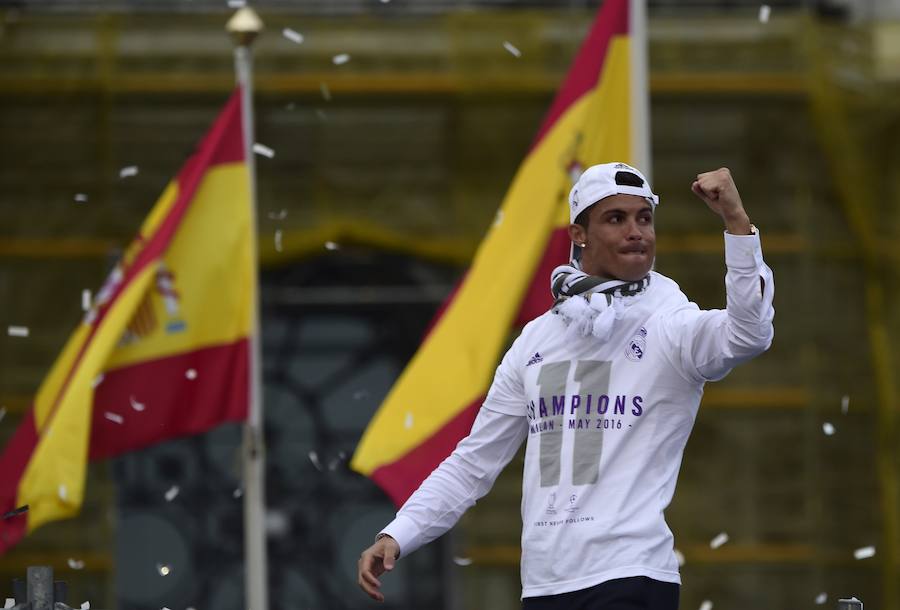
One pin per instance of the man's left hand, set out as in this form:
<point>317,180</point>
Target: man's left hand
<point>718,191</point>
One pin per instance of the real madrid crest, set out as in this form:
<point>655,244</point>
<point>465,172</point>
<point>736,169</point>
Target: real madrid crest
<point>637,345</point>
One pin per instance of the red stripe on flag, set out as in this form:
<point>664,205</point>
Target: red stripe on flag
<point>538,300</point>
<point>173,404</point>
<point>13,461</point>
<point>402,477</point>
<point>586,70</point>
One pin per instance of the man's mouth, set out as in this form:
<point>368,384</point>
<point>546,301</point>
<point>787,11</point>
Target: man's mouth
<point>633,250</point>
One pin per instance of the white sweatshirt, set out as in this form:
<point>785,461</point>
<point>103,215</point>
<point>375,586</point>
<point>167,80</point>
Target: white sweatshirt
<point>606,425</point>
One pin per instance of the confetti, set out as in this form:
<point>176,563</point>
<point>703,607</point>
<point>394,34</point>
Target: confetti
<point>16,511</point>
<point>76,564</point>
<point>237,493</point>
<point>864,552</point>
<point>280,215</point>
<point>62,492</point>
<point>278,240</point>
<point>679,557</point>
<point>512,49</point>
<point>845,404</point>
<point>114,417</point>
<point>98,380</point>
<point>706,605</point>
<point>292,35</point>
<point>127,172</point>
<point>408,422</point>
<point>330,245</point>
<point>237,3</point>
<point>828,428</point>
<point>262,149</point>
<point>137,406</point>
<point>86,606</point>
<point>326,92</point>
<point>718,541</point>
<point>314,458</point>
<point>764,11</point>
<point>821,598</point>
<point>163,569</point>
<point>17,331</point>
<point>80,198</point>
<point>462,561</point>
<point>9,603</point>
<point>190,374</point>
<point>2,413</point>
<point>498,219</point>
<point>340,59</point>
<point>171,493</point>
<point>385,1</point>
<point>85,299</point>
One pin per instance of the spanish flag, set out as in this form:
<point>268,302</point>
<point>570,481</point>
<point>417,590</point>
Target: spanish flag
<point>165,349</point>
<point>433,404</point>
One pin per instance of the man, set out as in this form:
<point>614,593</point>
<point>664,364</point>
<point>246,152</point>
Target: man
<point>605,387</point>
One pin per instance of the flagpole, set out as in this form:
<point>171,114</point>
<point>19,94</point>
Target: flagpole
<point>640,89</point>
<point>244,27</point>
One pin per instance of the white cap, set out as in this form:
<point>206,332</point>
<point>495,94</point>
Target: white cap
<point>600,181</point>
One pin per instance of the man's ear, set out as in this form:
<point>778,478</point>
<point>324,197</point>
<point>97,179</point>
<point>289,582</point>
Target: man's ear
<point>577,234</point>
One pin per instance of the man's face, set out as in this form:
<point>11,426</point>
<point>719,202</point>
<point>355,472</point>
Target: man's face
<point>620,241</point>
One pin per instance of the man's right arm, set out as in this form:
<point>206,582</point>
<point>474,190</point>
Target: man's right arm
<point>444,496</point>
<point>461,479</point>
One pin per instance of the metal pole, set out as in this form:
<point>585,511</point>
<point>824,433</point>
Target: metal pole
<point>244,26</point>
<point>640,91</point>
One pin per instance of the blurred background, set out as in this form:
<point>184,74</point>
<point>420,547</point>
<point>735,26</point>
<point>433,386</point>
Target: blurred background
<point>387,171</point>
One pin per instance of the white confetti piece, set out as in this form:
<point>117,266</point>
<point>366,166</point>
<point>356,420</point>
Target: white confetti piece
<point>17,331</point>
<point>828,428</point>
<point>279,215</point>
<point>85,299</point>
<point>237,3</point>
<point>262,149</point>
<point>462,561</point>
<point>137,406</point>
<point>679,557</point>
<point>408,422</point>
<point>62,492</point>
<point>845,404</point>
<point>764,11</point>
<point>172,493</point>
<point>80,198</point>
<point>314,458</point>
<point>76,564</point>
<point>237,493</point>
<point>706,605</point>
<point>340,59</point>
<point>292,35</point>
<point>821,598</point>
<point>190,374</point>
<point>278,240</point>
<point>498,219</point>
<point>326,91</point>
<point>114,417</point>
<point>9,603</point>
<point>512,49</point>
<point>864,552</point>
<point>85,605</point>
<point>718,541</point>
<point>129,171</point>
<point>330,245</point>
<point>98,380</point>
<point>163,569</point>
<point>385,1</point>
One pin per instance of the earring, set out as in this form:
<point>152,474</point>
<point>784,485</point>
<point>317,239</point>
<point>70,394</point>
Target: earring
<point>581,245</point>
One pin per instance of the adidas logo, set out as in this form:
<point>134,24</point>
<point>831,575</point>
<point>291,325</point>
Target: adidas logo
<point>535,359</point>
